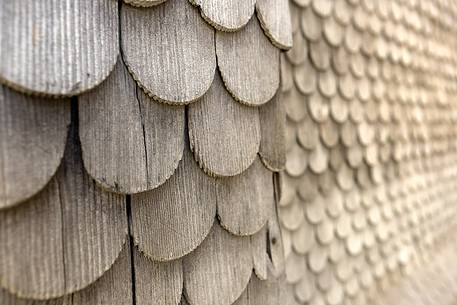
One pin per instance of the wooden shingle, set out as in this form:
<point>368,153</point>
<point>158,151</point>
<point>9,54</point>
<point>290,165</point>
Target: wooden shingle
<point>224,135</point>
<point>130,142</point>
<point>58,48</point>
<point>169,50</point>
<point>252,77</point>
<point>33,133</point>
<point>172,220</point>
<point>64,238</point>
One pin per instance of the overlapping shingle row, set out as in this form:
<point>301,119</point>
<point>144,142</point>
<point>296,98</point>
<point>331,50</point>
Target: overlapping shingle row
<point>369,185</point>
<point>166,141</point>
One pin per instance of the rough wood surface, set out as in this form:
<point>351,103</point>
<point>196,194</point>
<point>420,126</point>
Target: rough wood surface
<point>272,291</point>
<point>157,282</point>
<point>144,3</point>
<point>64,238</point>
<point>172,220</point>
<point>243,201</point>
<point>57,47</point>
<point>218,271</point>
<point>226,15</point>
<point>113,288</point>
<point>169,49</point>
<point>275,242</point>
<point>259,250</point>
<point>224,135</point>
<point>33,132</point>
<point>274,16</point>
<point>130,143</point>
<point>273,128</point>
<point>249,64</point>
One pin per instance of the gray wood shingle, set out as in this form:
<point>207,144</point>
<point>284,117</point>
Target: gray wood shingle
<point>218,271</point>
<point>55,47</point>
<point>252,77</point>
<point>226,15</point>
<point>130,142</point>
<point>33,132</point>
<point>169,50</point>
<point>64,238</point>
<point>224,135</point>
<point>172,220</point>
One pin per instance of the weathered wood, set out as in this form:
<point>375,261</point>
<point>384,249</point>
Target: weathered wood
<point>308,134</point>
<point>57,47</point>
<point>318,107</point>
<point>183,300</point>
<point>173,219</point>
<point>226,15</point>
<point>327,83</point>
<point>311,24</point>
<point>275,242</point>
<point>297,161</point>
<point>293,104</point>
<point>292,215</point>
<point>333,32</point>
<point>243,201</point>
<point>287,80</point>
<point>339,109</point>
<point>157,282</point>
<point>113,288</point>
<point>64,238</point>
<point>274,16</point>
<point>273,139</point>
<point>329,133</point>
<point>224,135</point>
<point>295,267</point>
<point>144,3</point>
<point>298,53</point>
<point>303,239</point>
<point>318,159</point>
<point>318,258</point>
<point>306,288</point>
<point>305,77</point>
<point>320,53</point>
<point>323,7</point>
<point>263,292</point>
<point>169,50</point>
<point>33,132</point>
<point>308,187</point>
<point>218,271</point>
<point>259,253</point>
<point>249,64</point>
<point>130,143</point>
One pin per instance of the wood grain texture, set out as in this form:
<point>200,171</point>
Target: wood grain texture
<point>157,282</point>
<point>275,242</point>
<point>183,301</point>
<point>144,3</point>
<point>130,143</point>
<point>33,132</point>
<point>273,139</point>
<point>169,50</point>
<point>259,250</point>
<point>55,47</point>
<point>218,271</point>
<point>272,291</point>
<point>113,288</point>
<point>249,64</point>
<point>64,238</point>
<point>243,201</point>
<point>274,16</point>
<point>226,15</point>
<point>224,135</point>
<point>172,220</point>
